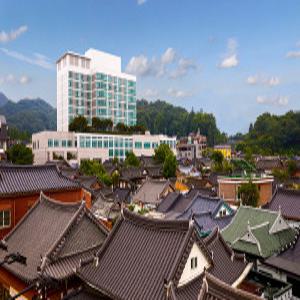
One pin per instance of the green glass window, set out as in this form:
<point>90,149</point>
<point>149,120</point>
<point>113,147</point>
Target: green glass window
<point>50,143</point>
<point>138,145</point>
<point>94,142</point>
<point>147,145</point>
<point>56,143</point>
<point>110,152</point>
<point>99,143</point>
<point>69,143</point>
<point>64,143</point>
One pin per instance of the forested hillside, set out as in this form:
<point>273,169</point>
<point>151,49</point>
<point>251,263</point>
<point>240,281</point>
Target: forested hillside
<point>272,134</point>
<point>162,117</point>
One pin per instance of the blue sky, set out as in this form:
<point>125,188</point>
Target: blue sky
<point>236,59</point>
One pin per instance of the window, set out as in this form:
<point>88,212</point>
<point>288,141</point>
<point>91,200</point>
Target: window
<point>138,145</point>
<point>50,143</point>
<point>4,218</point>
<point>147,145</point>
<point>194,263</point>
<point>56,143</point>
<point>64,143</point>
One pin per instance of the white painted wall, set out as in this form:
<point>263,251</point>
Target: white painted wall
<point>188,274</point>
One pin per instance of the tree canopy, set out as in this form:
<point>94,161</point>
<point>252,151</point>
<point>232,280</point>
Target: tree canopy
<point>131,160</point>
<point>170,166</point>
<point>249,194</point>
<point>272,134</point>
<point>162,117</point>
<point>161,152</point>
<point>20,154</point>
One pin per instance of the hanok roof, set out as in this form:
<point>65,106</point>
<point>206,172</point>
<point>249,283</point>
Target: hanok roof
<point>132,173</point>
<point>268,164</point>
<point>150,192</point>
<point>214,289</point>
<point>154,171</point>
<point>175,203</point>
<point>54,236</point>
<point>142,256</point>
<point>19,180</point>
<point>288,261</point>
<point>288,201</point>
<point>258,232</point>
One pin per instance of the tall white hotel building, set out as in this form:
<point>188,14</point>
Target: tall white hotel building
<point>93,85</point>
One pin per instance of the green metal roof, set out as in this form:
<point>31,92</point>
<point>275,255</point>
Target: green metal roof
<point>259,222</point>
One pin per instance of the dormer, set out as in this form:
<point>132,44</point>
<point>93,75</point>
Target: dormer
<point>194,266</point>
<point>279,224</point>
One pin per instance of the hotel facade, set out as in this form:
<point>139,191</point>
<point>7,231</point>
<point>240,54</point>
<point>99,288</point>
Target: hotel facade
<point>93,85</point>
<point>52,145</point>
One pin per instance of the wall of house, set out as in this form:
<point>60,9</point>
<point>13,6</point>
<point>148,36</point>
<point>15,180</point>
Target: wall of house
<point>18,206</point>
<point>188,273</point>
<point>265,193</point>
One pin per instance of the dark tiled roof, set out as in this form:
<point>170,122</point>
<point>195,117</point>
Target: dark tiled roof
<point>207,222</point>
<point>132,173</point>
<point>18,180</point>
<point>141,255</point>
<point>288,201</point>
<point>154,171</point>
<point>168,202</point>
<point>288,261</point>
<point>214,289</point>
<point>150,192</point>
<point>268,164</point>
<point>87,181</point>
<point>59,233</point>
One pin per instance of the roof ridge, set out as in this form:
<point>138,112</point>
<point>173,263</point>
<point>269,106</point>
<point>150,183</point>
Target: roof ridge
<point>44,198</point>
<point>61,240</point>
<point>161,224</point>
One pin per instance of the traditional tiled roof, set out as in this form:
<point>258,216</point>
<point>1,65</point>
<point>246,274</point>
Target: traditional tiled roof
<point>19,180</point>
<point>150,192</point>
<point>288,201</point>
<point>208,222</point>
<point>258,232</point>
<point>175,203</point>
<point>268,164</point>
<point>214,289</point>
<point>142,258</point>
<point>288,261</point>
<point>53,236</point>
<point>148,161</point>
<point>131,173</point>
<point>154,171</point>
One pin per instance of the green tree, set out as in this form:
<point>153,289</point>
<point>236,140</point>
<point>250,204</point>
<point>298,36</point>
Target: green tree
<point>161,152</point>
<point>20,154</point>
<point>218,159</point>
<point>280,174</point>
<point>249,194</point>
<point>115,177</point>
<point>170,166</point>
<point>291,168</point>
<point>131,160</point>
<point>79,124</point>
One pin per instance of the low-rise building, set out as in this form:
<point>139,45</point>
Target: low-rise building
<point>147,258</point>
<point>51,145</point>
<point>191,147</point>
<point>53,237</point>
<point>20,187</point>
<point>229,188</point>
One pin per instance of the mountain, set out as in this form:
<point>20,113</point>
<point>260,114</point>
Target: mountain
<point>163,117</point>
<point>31,115</point>
<point>3,99</point>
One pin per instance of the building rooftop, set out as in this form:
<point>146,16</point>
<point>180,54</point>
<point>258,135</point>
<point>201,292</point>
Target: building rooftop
<point>19,180</point>
<point>53,236</point>
<point>142,257</point>
<point>258,232</point>
<point>288,201</point>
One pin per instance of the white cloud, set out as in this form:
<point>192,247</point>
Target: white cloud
<point>184,66</point>
<point>273,100</point>
<point>141,2</point>
<point>139,65</point>
<point>230,60</point>
<point>293,54</point>
<point>263,80</point>
<point>6,37</point>
<point>168,56</point>
<point>150,93</point>
<point>178,93</point>
<point>37,59</point>
<point>143,66</point>
<point>12,79</point>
